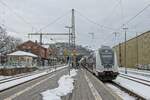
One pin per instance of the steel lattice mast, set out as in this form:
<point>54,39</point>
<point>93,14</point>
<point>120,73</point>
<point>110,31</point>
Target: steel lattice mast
<point>73,30</point>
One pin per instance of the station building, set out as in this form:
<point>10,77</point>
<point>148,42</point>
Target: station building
<point>22,59</point>
<point>42,52</point>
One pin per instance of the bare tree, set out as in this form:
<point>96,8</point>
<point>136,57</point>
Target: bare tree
<point>7,43</point>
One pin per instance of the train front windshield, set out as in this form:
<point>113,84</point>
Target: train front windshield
<point>107,57</point>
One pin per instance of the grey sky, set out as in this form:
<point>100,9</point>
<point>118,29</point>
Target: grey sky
<point>105,12</point>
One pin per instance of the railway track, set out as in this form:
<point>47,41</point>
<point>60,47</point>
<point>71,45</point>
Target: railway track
<point>135,79</point>
<point>124,89</point>
<point>137,73</point>
<point>11,82</point>
<point>131,93</point>
<point>19,76</point>
<point>137,96</point>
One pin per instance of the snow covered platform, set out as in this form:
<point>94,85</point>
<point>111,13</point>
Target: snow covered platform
<point>88,87</point>
<point>58,85</point>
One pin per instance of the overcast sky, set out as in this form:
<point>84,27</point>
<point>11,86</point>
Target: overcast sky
<point>23,16</point>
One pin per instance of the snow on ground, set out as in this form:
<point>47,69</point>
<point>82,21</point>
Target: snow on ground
<point>3,77</point>
<point>65,87</point>
<point>134,86</point>
<point>136,72</point>
<point>139,70</point>
<point>122,94</point>
<point>137,75</point>
<point>21,80</point>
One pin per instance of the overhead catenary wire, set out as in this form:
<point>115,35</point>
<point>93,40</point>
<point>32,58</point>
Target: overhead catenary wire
<point>11,29</point>
<point>54,21</point>
<point>135,16</point>
<point>97,24</point>
<point>124,25</point>
<point>8,28</point>
<point>112,10</point>
<point>106,36</point>
<point>122,10</point>
<point>105,40</point>
<point>16,14</point>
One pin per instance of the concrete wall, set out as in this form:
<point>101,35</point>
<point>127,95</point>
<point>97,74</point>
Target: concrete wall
<point>137,49</point>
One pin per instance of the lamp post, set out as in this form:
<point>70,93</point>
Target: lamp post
<point>115,33</point>
<point>69,62</point>
<point>125,47</point>
<point>137,47</point>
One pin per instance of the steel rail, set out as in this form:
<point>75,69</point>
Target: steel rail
<point>137,96</point>
<point>29,80</point>
<point>17,77</point>
<point>21,75</point>
<point>136,80</point>
<point>135,77</point>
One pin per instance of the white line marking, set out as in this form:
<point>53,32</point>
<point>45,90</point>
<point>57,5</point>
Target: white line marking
<point>93,90</point>
<point>27,89</point>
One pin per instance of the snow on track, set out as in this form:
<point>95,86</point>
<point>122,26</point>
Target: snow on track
<point>137,88</point>
<point>3,77</point>
<point>12,83</point>
<point>142,73</point>
<point>122,94</point>
<point>18,76</point>
<point>136,79</point>
<point>137,76</point>
<point>65,87</point>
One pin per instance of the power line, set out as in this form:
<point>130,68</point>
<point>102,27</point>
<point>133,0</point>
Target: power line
<point>121,13</point>
<point>8,28</point>
<point>16,14</point>
<point>54,21</point>
<point>105,36</point>
<point>11,29</point>
<point>112,10</point>
<point>121,9</point>
<point>91,21</point>
<point>141,11</point>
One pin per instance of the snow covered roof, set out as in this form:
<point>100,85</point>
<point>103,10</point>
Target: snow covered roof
<point>45,46</point>
<point>22,53</point>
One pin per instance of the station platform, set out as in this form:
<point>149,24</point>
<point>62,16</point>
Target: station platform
<point>88,87</point>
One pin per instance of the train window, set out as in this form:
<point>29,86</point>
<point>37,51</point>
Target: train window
<point>106,51</point>
<point>107,56</point>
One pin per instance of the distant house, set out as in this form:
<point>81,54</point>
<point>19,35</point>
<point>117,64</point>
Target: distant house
<point>41,51</point>
<point>22,59</point>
